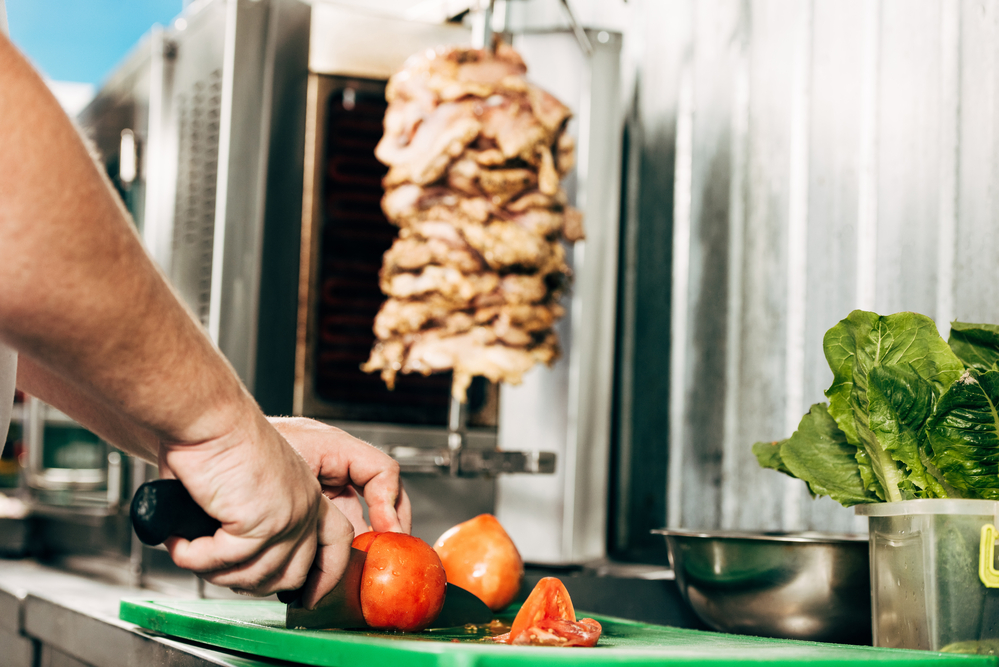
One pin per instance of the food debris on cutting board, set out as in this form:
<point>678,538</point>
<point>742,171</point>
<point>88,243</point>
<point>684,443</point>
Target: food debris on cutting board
<point>475,155</point>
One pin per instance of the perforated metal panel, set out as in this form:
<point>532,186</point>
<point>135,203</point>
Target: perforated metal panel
<point>198,110</point>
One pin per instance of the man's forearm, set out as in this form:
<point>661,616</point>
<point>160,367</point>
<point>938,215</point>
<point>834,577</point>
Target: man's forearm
<point>79,295</point>
<point>94,415</point>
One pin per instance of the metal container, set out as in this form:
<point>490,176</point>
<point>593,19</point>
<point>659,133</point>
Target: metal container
<point>791,585</point>
<point>927,589</point>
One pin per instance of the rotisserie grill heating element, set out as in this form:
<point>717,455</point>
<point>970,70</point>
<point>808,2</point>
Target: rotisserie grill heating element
<point>355,235</point>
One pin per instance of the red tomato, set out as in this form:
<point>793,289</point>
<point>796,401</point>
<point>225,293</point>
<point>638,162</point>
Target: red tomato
<point>363,541</point>
<point>403,583</point>
<point>548,619</point>
<point>480,557</point>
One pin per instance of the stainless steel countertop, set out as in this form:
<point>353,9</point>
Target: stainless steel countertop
<point>78,616</point>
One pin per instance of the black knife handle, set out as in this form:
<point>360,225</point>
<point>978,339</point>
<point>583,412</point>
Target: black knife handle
<point>163,507</point>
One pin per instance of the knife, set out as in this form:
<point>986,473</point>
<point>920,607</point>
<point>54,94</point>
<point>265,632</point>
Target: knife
<point>163,507</point>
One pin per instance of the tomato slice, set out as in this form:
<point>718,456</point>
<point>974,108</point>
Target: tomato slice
<point>364,540</point>
<point>547,618</point>
<point>552,632</point>
<point>548,600</point>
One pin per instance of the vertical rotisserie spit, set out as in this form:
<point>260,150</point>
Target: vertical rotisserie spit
<point>475,156</point>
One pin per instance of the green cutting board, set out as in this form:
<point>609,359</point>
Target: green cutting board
<point>257,627</point>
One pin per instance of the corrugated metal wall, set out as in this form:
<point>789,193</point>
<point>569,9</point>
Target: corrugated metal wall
<point>804,159</point>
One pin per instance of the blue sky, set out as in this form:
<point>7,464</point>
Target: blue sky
<point>82,40</point>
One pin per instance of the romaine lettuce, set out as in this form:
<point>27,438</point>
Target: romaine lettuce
<point>977,345</point>
<point>899,424</point>
<point>819,454</point>
<point>900,363</point>
<point>964,435</point>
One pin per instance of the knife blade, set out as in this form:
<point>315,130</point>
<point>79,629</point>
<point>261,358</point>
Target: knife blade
<point>163,507</point>
<point>340,608</point>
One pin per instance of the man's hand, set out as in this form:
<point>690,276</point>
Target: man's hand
<point>346,467</point>
<point>272,513</point>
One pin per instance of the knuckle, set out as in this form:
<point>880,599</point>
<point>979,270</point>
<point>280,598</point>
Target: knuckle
<point>282,520</point>
<point>346,532</point>
<point>290,580</point>
<point>392,466</point>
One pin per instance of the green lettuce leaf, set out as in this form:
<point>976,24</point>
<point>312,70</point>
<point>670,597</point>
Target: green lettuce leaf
<point>840,345</point>
<point>854,348</point>
<point>977,345</point>
<point>963,434</point>
<point>867,475</point>
<point>768,455</point>
<point>899,403</point>
<point>819,454</point>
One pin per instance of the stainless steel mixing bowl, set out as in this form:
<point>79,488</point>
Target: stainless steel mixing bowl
<point>793,585</point>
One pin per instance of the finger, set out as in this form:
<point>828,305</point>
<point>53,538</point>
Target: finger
<point>164,470</point>
<point>347,501</point>
<point>246,562</point>
<point>221,551</point>
<point>376,474</point>
<point>290,577</point>
<point>335,535</point>
<point>345,460</point>
<point>273,569</point>
<point>404,510</point>
<point>384,495</point>
<point>355,462</point>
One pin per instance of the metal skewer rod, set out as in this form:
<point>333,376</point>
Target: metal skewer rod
<point>457,415</point>
<point>482,27</point>
<point>482,38</point>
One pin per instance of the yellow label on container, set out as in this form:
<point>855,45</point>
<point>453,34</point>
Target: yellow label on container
<point>987,571</point>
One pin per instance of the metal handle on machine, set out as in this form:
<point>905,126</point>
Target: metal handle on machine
<point>163,507</point>
<point>471,462</point>
<point>460,460</point>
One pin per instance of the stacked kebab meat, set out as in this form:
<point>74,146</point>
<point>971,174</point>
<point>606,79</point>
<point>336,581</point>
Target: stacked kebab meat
<point>475,156</point>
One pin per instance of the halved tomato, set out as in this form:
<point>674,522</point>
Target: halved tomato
<point>479,556</point>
